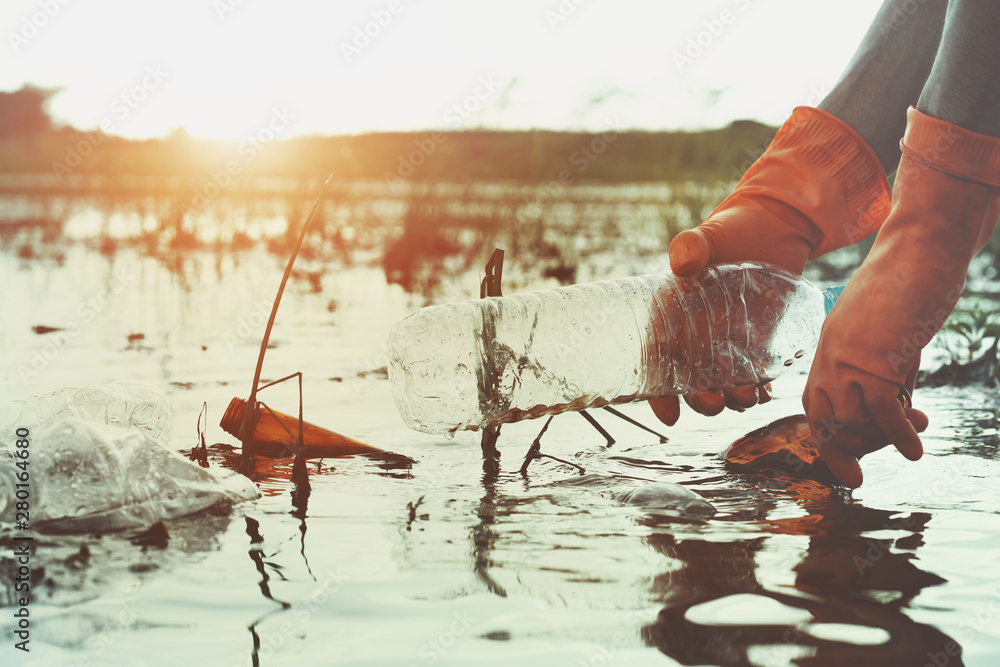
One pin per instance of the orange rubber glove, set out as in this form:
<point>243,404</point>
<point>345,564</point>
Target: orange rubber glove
<point>945,203</point>
<point>816,188</point>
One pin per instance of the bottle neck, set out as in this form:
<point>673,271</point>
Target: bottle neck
<point>830,296</point>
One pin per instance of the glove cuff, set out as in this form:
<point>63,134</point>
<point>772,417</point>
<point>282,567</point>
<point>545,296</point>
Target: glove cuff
<point>951,149</point>
<point>857,186</point>
<point>823,169</point>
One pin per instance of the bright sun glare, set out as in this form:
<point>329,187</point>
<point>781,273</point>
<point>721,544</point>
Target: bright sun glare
<point>223,68</point>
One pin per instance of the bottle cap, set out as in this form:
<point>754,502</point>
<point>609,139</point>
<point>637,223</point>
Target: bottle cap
<point>830,296</point>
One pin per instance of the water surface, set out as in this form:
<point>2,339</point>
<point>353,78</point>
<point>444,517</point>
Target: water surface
<point>444,564</point>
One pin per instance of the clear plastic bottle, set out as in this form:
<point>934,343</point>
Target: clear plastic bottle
<point>95,460</point>
<point>120,403</point>
<point>85,476</point>
<point>502,359</point>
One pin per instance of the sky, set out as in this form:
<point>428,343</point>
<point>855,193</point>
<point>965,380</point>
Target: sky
<point>223,69</point>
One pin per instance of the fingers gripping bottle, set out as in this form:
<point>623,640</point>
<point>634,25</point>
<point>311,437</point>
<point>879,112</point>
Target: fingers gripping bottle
<point>502,359</point>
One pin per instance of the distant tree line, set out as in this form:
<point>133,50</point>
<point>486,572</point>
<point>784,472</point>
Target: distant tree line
<point>30,143</point>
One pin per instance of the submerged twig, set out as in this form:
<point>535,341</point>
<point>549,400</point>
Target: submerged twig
<point>490,286</point>
<point>412,507</point>
<point>199,452</point>
<point>620,415</point>
<point>535,452</point>
<point>300,474</point>
<point>246,458</point>
<point>600,429</point>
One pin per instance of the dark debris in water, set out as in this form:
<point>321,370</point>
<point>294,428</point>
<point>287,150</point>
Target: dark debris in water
<point>784,447</point>
<point>381,373</point>
<point>156,536</point>
<point>141,568</point>
<point>652,464</point>
<point>80,559</point>
<point>413,516</point>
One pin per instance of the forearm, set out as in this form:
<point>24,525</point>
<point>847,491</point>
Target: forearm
<point>887,74</point>
<point>964,85</point>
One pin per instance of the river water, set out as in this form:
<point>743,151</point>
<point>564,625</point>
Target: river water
<point>443,563</point>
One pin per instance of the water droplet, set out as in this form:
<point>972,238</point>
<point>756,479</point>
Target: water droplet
<point>789,362</point>
<point>461,369</point>
<point>573,322</point>
<point>587,329</point>
<point>798,355</point>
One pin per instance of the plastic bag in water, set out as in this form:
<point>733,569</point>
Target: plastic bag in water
<point>91,474</point>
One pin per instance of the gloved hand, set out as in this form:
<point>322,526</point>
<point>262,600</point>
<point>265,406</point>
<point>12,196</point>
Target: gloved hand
<point>945,203</point>
<point>816,188</point>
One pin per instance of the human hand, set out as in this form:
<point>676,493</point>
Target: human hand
<point>789,206</point>
<point>944,208</point>
<point>724,238</point>
<point>876,413</point>
<point>711,402</point>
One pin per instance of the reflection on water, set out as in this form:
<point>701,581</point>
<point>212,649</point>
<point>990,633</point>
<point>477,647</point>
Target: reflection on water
<point>417,231</point>
<point>842,578</point>
<point>447,563</point>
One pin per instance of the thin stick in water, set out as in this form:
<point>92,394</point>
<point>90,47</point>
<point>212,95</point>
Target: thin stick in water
<point>246,457</point>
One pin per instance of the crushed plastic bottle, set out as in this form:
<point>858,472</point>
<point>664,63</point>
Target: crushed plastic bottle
<point>120,403</point>
<point>668,496</point>
<point>502,359</point>
<point>97,467</point>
